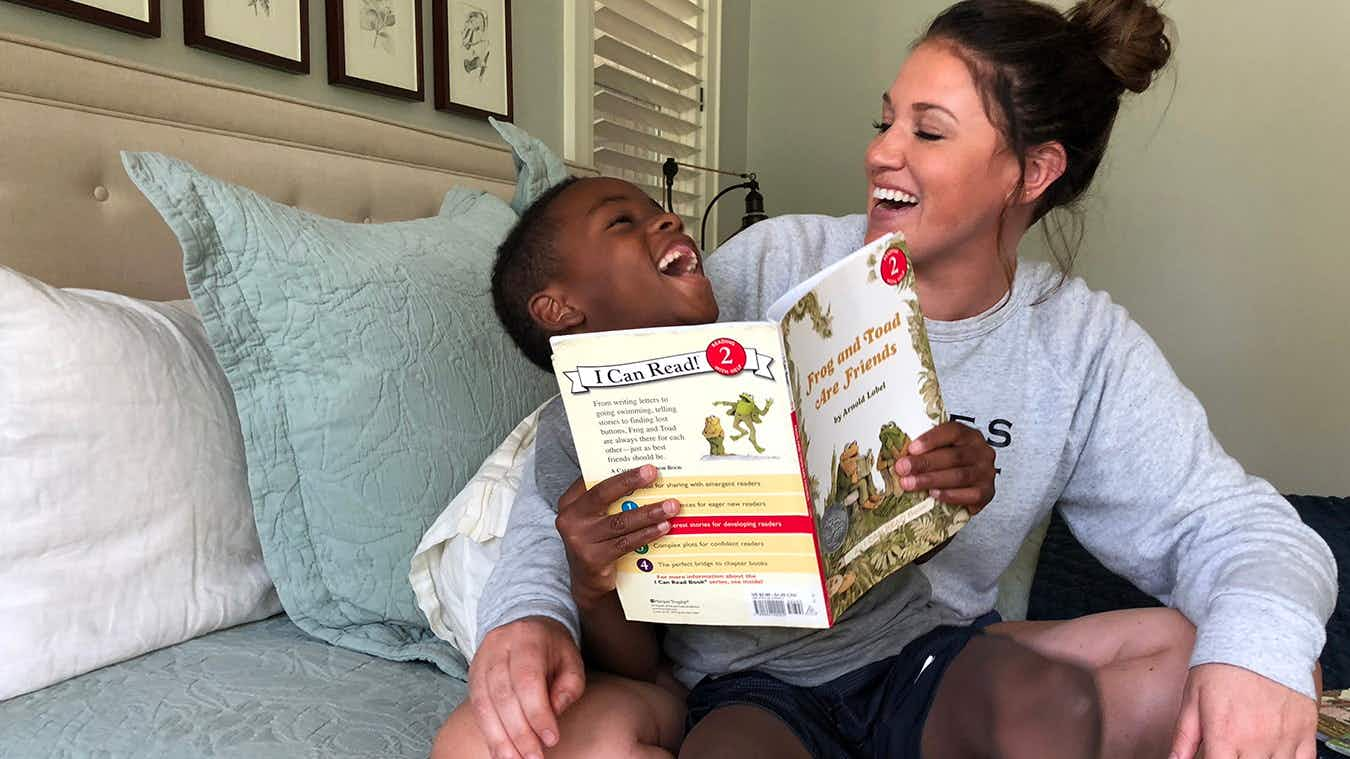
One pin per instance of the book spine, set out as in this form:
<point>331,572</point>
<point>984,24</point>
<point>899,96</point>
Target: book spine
<point>815,525</point>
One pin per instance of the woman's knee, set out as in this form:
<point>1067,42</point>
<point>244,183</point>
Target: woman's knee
<point>459,737</point>
<point>1174,632</point>
<point>1048,708</point>
<point>615,718</point>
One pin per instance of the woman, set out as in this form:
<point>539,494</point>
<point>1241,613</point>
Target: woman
<point>1000,116</point>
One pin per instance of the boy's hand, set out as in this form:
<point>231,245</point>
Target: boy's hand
<point>954,463</point>
<point>523,676</point>
<point>595,540</point>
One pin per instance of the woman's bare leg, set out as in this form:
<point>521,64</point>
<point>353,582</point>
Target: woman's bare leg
<point>1139,658</point>
<point>615,718</point>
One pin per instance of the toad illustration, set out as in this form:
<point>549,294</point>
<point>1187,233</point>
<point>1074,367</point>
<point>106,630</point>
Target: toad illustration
<point>746,415</point>
<point>712,431</point>
<point>840,583</point>
<point>853,479</point>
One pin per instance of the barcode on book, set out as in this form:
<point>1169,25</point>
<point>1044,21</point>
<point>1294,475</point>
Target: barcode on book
<point>777,605</point>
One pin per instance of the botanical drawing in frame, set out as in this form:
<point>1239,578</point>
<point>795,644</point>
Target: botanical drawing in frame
<point>140,17</point>
<point>472,51</point>
<point>268,32</point>
<point>376,45</point>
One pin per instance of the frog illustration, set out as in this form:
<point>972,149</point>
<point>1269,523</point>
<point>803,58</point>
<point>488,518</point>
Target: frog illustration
<point>894,446</point>
<point>745,416</point>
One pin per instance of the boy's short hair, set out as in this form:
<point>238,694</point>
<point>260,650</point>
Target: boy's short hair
<point>526,264</point>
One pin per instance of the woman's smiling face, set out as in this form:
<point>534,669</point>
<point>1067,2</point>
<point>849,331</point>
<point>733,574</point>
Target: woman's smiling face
<point>938,169</point>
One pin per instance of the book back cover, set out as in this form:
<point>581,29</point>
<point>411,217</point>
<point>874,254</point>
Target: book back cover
<point>709,407</point>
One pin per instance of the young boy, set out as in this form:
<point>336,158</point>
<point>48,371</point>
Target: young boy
<point>599,254</point>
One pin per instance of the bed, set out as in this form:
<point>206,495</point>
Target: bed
<point>69,216</point>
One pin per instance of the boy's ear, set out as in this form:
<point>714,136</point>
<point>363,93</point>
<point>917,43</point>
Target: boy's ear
<point>552,311</point>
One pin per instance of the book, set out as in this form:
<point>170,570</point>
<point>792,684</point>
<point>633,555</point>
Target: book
<point>1333,720</point>
<point>777,437</point>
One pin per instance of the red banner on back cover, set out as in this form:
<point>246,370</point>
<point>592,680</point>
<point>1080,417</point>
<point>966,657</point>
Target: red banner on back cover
<point>714,525</point>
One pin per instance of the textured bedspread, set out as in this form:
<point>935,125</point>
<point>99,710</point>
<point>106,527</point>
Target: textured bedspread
<point>259,691</point>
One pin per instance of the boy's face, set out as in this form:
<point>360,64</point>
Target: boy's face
<point>627,263</point>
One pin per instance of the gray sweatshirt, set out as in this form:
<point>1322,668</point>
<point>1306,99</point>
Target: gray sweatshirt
<point>1083,412</point>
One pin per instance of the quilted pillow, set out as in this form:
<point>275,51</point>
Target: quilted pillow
<point>457,555</point>
<point>369,377</point>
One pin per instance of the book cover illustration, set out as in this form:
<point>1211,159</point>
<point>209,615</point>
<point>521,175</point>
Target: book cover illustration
<point>1333,720</point>
<point>861,371</point>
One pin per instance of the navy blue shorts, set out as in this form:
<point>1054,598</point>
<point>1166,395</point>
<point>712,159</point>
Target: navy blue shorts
<point>875,711</point>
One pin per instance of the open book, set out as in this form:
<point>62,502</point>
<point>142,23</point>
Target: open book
<point>778,438</point>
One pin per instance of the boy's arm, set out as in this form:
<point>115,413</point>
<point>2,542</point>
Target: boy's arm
<point>595,541</point>
<point>559,552</point>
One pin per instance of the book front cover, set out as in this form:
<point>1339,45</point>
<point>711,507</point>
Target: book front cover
<point>708,406</point>
<point>859,361</point>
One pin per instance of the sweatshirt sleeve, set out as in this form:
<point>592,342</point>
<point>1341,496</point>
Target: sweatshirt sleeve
<point>1154,496</point>
<point>531,579</point>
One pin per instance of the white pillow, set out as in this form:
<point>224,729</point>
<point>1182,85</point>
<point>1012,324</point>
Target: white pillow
<point>458,552</point>
<point>123,495</point>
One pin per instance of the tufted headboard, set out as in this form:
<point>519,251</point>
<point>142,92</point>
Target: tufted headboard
<point>70,216</point>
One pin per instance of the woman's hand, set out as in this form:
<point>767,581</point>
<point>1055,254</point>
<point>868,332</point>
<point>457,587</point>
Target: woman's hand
<point>1229,712</point>
<point>595,540</point>
<point>524,675</point>
<point>954,463</point>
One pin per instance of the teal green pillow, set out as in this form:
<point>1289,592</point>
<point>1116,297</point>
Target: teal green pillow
<point>537,167</point>
<point>371,379</point>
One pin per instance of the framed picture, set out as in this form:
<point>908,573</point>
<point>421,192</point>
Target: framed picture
<point>269,32</point>
<point>472,50</point>
<point>136,16</point>
<point>376,45</point>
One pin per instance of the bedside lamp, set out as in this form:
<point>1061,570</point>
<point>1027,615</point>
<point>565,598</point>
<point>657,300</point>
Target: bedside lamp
<point>754,200</point>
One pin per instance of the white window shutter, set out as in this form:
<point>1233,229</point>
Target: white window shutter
<point>648,64</point>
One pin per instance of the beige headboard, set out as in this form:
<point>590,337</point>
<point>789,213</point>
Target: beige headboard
<point>70,216</point>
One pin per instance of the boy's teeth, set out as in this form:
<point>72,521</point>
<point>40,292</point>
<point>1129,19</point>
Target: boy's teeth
<point>690,261</point>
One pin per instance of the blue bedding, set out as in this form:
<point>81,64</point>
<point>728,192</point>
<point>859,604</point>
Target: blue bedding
<point>259,691</point>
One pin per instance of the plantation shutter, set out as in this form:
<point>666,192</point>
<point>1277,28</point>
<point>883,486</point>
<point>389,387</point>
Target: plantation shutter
<point>648,68</point>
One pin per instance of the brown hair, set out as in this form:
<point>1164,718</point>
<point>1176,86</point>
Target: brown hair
<point>1051,77</point>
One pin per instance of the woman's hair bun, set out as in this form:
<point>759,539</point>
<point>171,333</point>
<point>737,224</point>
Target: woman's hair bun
<point>1129,36</point>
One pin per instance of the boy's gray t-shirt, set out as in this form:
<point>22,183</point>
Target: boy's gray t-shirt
<point>1083,412</point>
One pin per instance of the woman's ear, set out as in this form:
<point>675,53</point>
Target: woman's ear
<point>1045,164</point>
<point>552,311</point>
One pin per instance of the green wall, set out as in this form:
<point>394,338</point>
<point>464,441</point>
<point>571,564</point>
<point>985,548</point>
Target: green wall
<point>1218,217</point>
<point>536,49</point>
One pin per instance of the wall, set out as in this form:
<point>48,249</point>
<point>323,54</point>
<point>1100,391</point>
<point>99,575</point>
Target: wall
<point>1217,218</point>
<point>536,49</point>
<point>733,110</point>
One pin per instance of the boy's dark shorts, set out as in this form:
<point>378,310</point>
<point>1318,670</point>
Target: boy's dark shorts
<point>875,711</point>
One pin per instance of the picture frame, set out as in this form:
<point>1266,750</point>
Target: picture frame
<point>472,53</point>
<point>139,17</point>
<point>376,45</point>
<point>273,33</point>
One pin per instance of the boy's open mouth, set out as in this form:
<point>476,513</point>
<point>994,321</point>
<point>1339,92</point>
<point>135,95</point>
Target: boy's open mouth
<point>678,260</point>
<point>893,199</point>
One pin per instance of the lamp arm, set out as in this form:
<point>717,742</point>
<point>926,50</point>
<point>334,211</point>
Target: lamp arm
<point>703,227</point>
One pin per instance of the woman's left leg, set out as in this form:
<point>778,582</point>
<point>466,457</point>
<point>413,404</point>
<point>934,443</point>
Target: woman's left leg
<point>1139,659</point>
